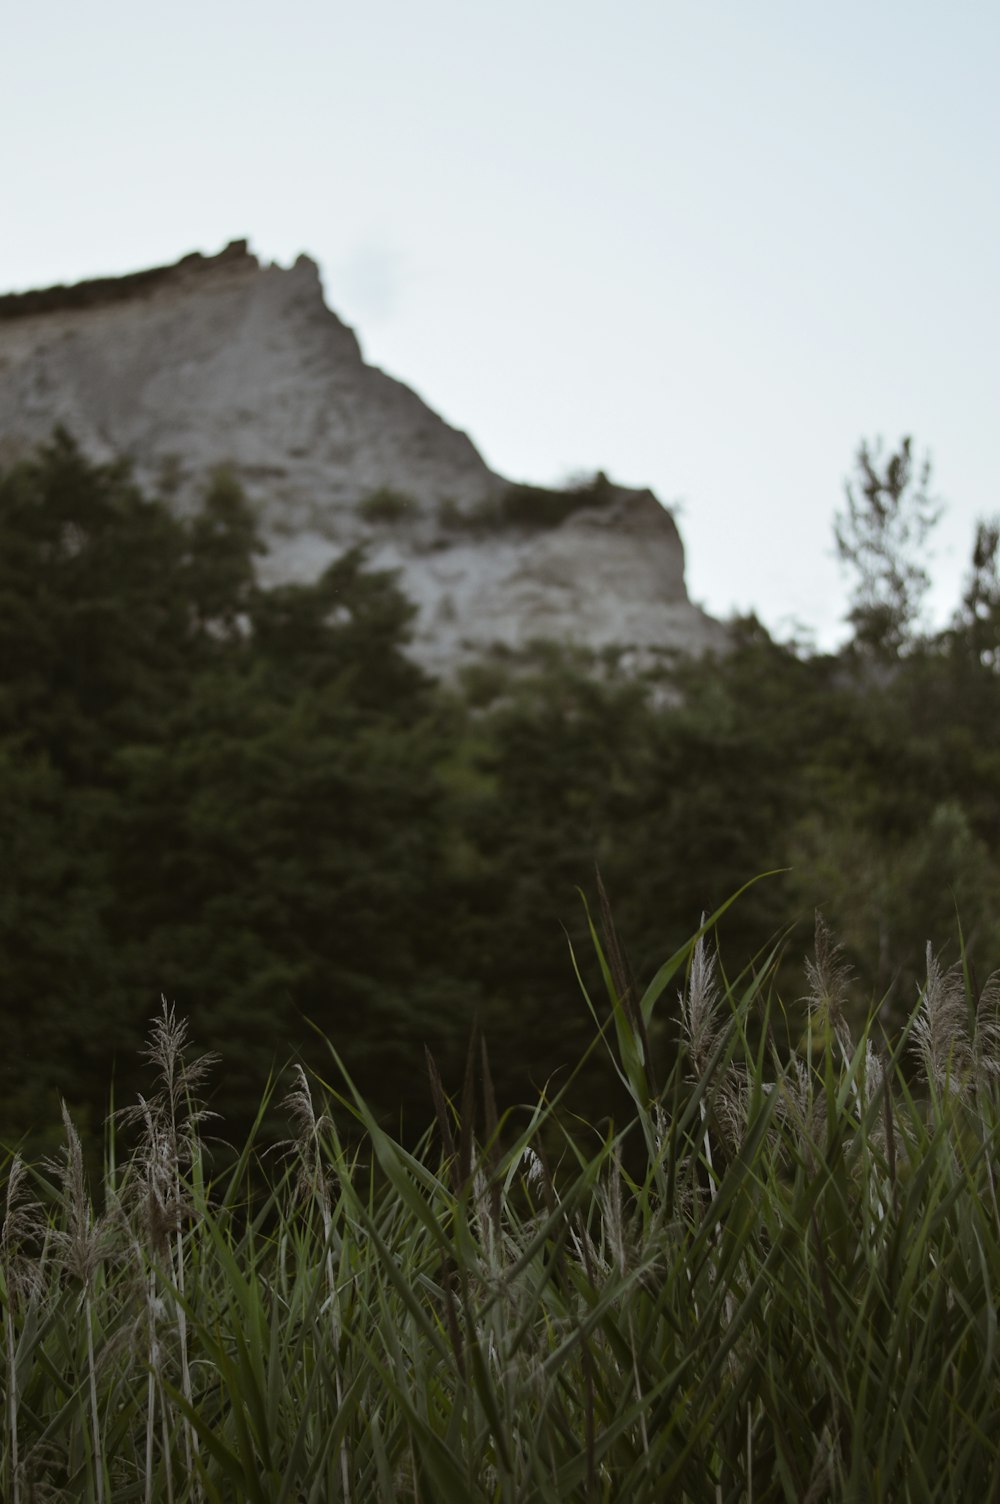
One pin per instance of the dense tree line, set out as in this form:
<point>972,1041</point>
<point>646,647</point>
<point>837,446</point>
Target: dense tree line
<point>255,803</point>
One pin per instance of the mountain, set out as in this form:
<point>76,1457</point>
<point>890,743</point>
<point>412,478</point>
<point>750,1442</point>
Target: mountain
<point>221,360</point>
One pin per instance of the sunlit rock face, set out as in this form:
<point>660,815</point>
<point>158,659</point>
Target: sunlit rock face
<point>224,361</point>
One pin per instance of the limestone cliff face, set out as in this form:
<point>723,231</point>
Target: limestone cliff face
<point>220,360</point>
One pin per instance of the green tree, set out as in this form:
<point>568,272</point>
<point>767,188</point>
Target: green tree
<point>207,790</point>
<point>882,535</point>
<point>976,628</point>
<point>219,574</point>
<point>96,635</point>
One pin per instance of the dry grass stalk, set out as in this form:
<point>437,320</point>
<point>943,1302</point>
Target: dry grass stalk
<point>170,1145</point>
<point>84,1242</point>
<point>24,1229</point>
<point>314,1182</point>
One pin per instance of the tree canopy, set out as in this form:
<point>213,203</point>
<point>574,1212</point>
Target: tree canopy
<point>882,536</point>
<point>253,802</point>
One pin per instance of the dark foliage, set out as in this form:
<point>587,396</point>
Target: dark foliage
<point>535,508</point>
<point>254,803</point>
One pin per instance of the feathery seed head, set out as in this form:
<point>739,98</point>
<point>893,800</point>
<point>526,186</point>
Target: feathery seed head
<point>85,1240</point>
<point>298,1103</point>
<point>700,1006</point>
<point>731,1101</point>
<point>987,1040</point>
<point>24,1227</point>
<point>801,1105</point>
<point>829,980</point>
<point>874,1074</point>
<point>180,1079</point>
<point>534,1175</point>
<point>172,1115</point>
<point>940,1029</point>
<point>609,1197</point>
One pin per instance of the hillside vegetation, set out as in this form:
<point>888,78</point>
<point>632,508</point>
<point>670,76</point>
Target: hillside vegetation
<point>253,804</point>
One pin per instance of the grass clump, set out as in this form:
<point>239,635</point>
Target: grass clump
<point>777,1279</point>
<point>387,505</point>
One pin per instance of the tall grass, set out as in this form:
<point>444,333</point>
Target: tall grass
<point>777,1281</point>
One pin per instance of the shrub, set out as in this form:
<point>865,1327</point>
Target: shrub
<point>533,507</point>
<point>386,506</point>
<point>540,507</point>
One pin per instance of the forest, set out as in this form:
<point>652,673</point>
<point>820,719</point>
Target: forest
<point>252,804</point>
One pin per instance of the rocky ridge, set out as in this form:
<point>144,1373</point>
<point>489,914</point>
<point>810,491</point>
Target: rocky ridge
<point>225,361</point>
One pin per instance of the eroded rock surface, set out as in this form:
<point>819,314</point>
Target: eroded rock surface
<point>224,361</point>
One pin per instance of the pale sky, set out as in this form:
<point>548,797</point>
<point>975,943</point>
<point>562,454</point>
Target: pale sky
<point>705,245</point>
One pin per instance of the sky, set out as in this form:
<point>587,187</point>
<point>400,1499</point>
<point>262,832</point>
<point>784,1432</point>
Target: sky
<point>705,246</point>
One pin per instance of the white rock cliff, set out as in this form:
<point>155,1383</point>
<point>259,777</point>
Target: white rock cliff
<point>222,361</point>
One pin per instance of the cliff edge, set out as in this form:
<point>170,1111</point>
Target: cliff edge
<point>220,360</point>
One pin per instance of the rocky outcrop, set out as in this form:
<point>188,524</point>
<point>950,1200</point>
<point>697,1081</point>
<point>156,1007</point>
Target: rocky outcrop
<point>221,360</point>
